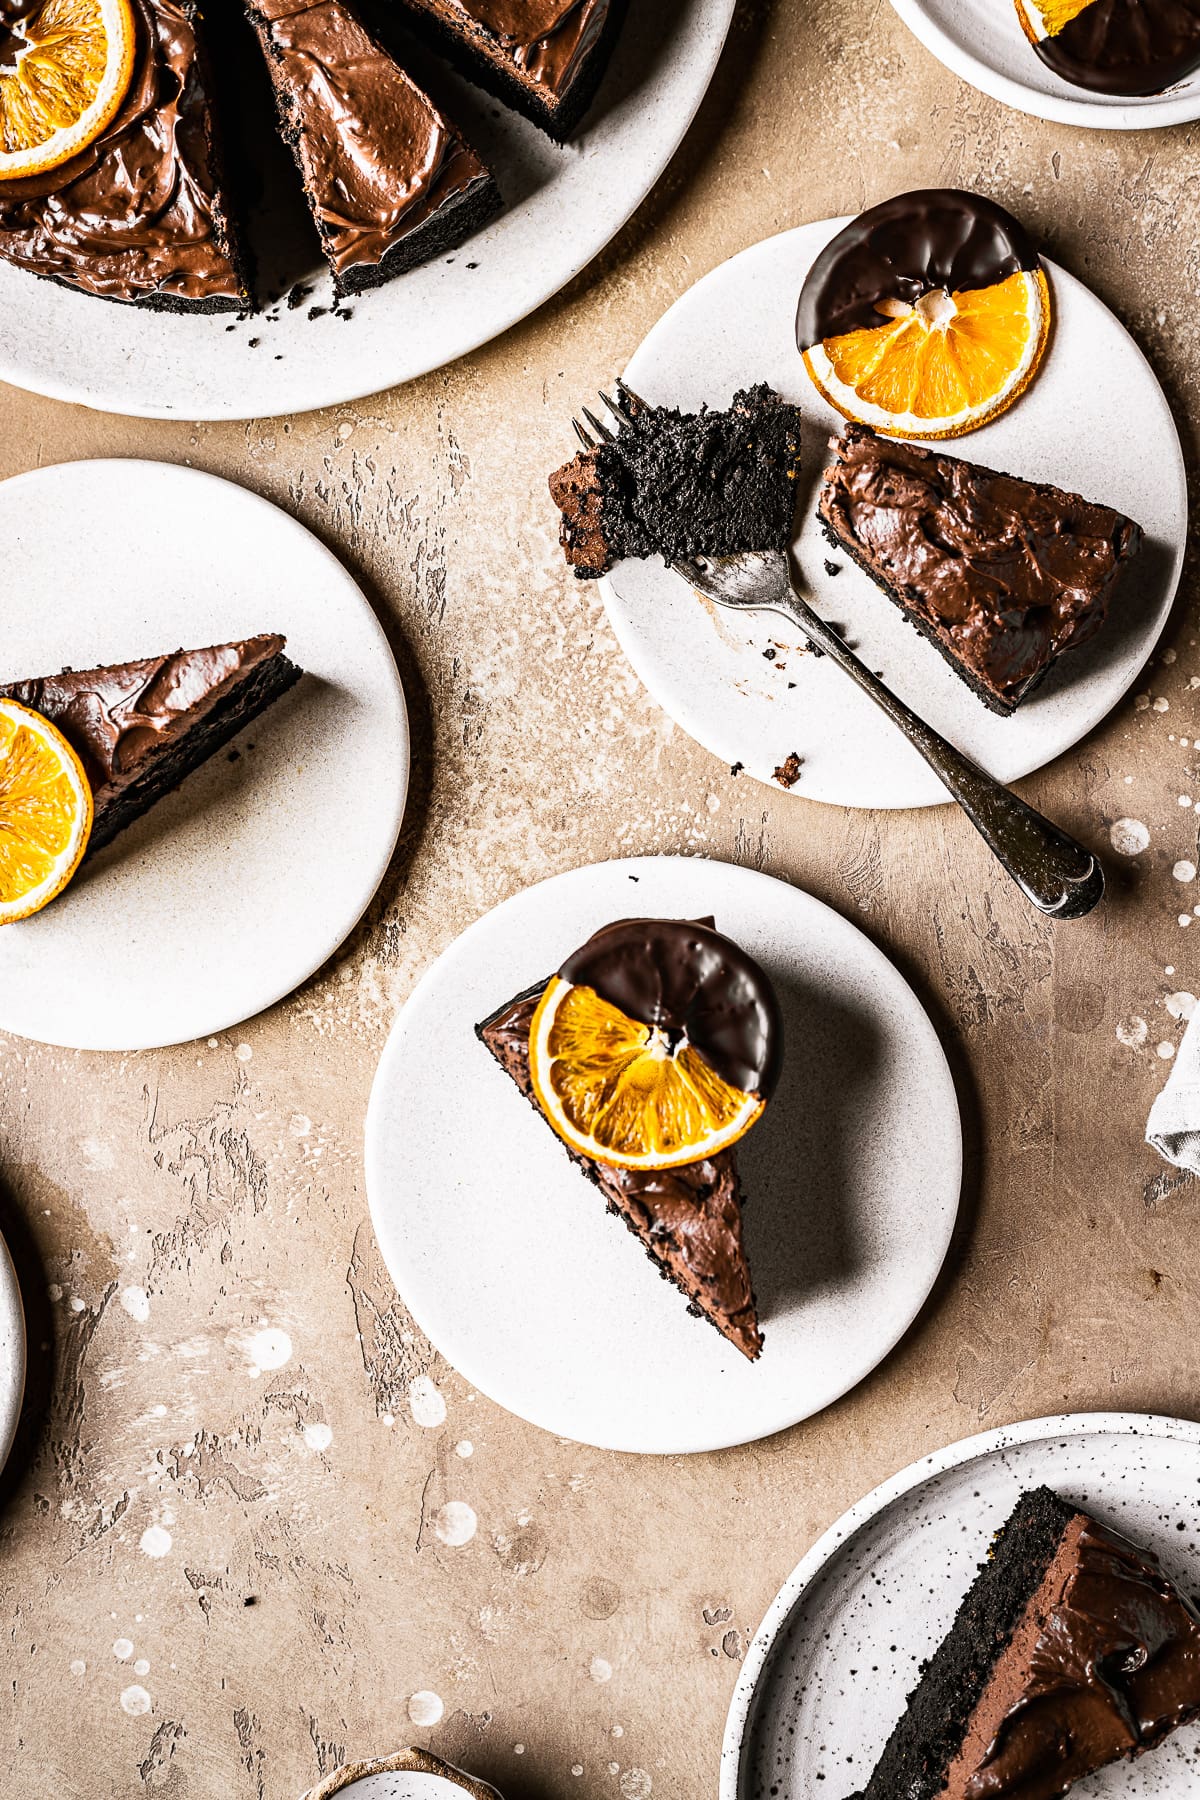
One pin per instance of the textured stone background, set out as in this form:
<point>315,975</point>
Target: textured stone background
<point>254,1542</point>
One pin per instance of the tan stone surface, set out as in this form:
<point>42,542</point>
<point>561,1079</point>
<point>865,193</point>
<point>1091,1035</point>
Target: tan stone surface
<point>305,1595</point>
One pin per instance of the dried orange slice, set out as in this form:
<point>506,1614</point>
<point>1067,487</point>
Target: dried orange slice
<point>942,367</point>
<point>45,812</point>
<point>620,1092</point>
<point>64,70</point>
<point>1046,18</point>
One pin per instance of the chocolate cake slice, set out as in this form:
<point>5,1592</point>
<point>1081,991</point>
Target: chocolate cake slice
<point>1001,575</point>
<point>544,58</point>
<point>140,727</point>
<point>1071,1650</point>
<point>389,180</point>
<point>143,214</point>
<point>676,484</point>
<point>686,979</point>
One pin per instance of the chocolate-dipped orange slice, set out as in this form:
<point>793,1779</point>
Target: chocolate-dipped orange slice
<point>1118,47</point>
<point>926,316</point>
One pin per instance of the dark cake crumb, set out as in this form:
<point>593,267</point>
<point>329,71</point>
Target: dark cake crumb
<point>298,295</point>
<point>832,568</point>
<point>788,772</point>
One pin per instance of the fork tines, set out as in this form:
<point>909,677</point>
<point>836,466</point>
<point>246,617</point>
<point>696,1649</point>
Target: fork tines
<point>623,409</point>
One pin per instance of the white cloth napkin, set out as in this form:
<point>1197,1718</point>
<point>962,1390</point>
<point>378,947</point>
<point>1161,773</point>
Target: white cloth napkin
<point>1174,1123</point>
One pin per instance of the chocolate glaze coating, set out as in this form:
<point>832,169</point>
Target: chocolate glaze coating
<point>1002,574</point>
<point>1126,46</point>
<point>138,214</point>
<point>377,156</point>
<point>689,980</point>
<point>905,247</point>
<point>548,41</point>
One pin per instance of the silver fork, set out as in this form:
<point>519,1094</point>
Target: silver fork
<point>1061,878</point>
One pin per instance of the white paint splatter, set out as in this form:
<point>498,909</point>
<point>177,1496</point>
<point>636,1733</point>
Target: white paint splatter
<point>636,1785</point>
<point>136,1303</point>
<point>1133,1032</point>
<point>1185,918</point>
<point>318,1436</point>
<point>1161,704</point>
<point>243,1053</point>
<point>464,1448</point>
<point>269,1348</point>
<point>1129,837</point>
<point>1166,1050</point>
<point>122,1649</point>
<point>141,1666</point>
<point>1184,870</point>
<point>599,1670</point>
<point>135,1701</point>
<point>455,1524</point>
<point>577,1768</point>
<point>1181,1005</point>
<point>426,1404</point>
<point>518,1749</point>
<point>156,1541</point>
<point>1185,800</point>
<point>425,1708</point>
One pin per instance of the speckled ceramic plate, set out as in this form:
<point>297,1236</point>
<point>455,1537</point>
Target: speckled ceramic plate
<point>710,669</point>
<point>982,41</point>
<point>405,1775</point>
<point>563,204</point>
<point>12,1352</point>
<point>826,1676</point>
<point>235,888</point>
<point>505,1254</point>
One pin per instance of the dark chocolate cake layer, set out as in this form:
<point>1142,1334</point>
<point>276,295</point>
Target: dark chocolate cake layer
<point>678,484</point>
<point>689,1219</point>
<point>1070,1651</point>
<point>1126,46</point>
<point>544,58</point>
<point>1002,575</point>
<point>142,214</point>
<point>139,728</point>
<point>389,180</point>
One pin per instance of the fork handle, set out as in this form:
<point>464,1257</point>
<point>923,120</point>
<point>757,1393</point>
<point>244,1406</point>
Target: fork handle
<point>1062,878</point>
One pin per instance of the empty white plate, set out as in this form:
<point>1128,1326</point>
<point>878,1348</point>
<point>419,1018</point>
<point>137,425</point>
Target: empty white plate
<point>740,686</point>
<point>982,41</point>
<point>12,1353</point>
<point>828,1673</point>
<point>239,885</point>
<point>504,1252</point>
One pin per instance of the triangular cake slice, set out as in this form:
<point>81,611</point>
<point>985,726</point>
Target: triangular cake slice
<point>143,214</point>
<point>689,1219</point>
<point>1001,575</point>
<point>1071,1650</point>
<point>389,180</point>
<point>544,58</point>
<point>140,727</point>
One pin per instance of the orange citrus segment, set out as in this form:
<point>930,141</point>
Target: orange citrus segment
<point>618,1091</point>
<point>64,70</point>
<point>1046,18</point>
<point>941,367</point>
<point>45,812</point>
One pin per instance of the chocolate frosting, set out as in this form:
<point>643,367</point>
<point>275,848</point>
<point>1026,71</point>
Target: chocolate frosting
<point>377,155</point>
<point>1007,573</point>
<point>1115,1667</point>
<point>116,717</point>
<point>1126,46</point>
<point>135,213</point>
<point>689,981</point>
<point>691,1217</point>
<point>548,40</point>
<point>906,247</point>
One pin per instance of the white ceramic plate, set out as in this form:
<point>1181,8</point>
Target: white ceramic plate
<point>707,668</point>
<point>879,1591</point>
<point>235,888</point>
<point>507,1258</point>
<point>982,41</point>
<point>564,204</point>
<point>12,1353</point>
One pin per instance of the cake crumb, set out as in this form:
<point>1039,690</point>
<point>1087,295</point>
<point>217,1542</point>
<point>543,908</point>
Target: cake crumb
<point>788,772</point>
<point>736,768</point>
<point>317,312</point>
<point>832,568</point>
<point>298,295</point>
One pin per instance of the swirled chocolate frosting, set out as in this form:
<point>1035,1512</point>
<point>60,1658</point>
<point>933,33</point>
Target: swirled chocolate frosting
<point>139,212</point>
<point>691,982</point>
<point>906,247</point>
<point>116,718</point>
<point>377,156</point>
<point>548,40</point>
<point>1126,46</point>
